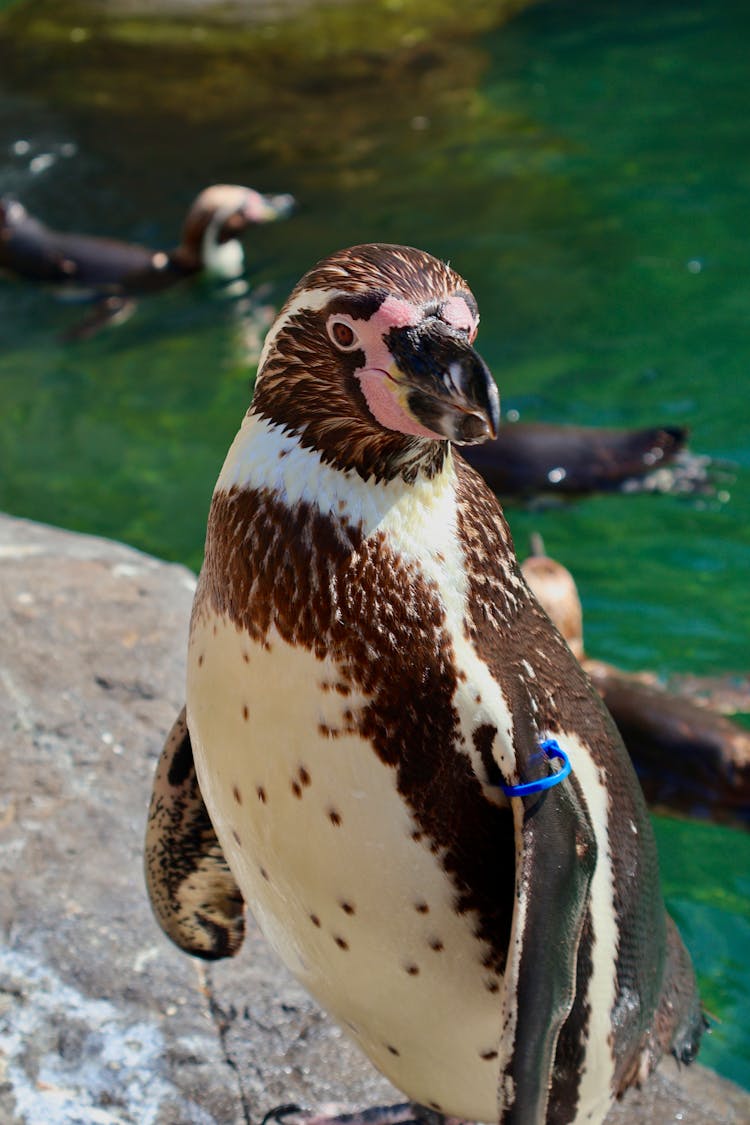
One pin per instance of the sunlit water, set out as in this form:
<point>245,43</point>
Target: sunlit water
<point>586,167</point>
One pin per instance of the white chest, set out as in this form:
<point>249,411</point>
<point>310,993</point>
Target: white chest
<point>224,260</point>
<point>330,857</point>
<point>334,862</point>
<point>333,866</point>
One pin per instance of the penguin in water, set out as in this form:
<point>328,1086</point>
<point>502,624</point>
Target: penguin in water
<point>376,712</point>
<point>688,757</point>
<point>113,274</point>
<point>531,459</point>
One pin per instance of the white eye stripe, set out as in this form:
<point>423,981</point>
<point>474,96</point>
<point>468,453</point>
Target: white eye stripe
<point>308,300</point>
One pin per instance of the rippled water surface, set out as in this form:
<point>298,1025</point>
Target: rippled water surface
<point>586,167</point>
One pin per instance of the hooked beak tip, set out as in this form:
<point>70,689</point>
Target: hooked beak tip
<point>474,428</point>
<point>278,206</point>
<point>452,391</point>
<point>268,208</point>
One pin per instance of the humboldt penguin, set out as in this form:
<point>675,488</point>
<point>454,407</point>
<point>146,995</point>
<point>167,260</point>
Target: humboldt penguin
<point>389,752</point>
<point>527,459</point>
<point>113,273</point>
<point>688,757</point>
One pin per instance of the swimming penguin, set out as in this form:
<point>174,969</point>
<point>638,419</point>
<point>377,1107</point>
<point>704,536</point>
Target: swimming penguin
<point>112,273</point>
<point>688,757</point>
<point>388,750</point>
<point>532,458</point>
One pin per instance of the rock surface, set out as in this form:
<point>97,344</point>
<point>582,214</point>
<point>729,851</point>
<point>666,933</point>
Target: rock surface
<point>102,1022</point>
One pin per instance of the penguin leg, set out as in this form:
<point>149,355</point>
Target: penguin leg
<point>193,893</point>
<point>405,1113</point>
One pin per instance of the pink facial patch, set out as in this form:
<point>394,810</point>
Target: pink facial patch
<point>395,313</point>
<point>255,207</point>
<point>378,389</point>
<point>457,313</point>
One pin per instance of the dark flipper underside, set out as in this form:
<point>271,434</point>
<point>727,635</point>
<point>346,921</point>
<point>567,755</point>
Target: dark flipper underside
<point>554,867</point>
<point>193,893</point>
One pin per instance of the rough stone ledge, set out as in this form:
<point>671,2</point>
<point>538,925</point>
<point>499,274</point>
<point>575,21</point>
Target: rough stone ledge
<point>102,1022</point>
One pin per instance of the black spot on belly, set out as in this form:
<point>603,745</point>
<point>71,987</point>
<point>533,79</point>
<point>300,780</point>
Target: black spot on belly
<point>236,794</point>
<point>347,908</point>
<point>394,1050</point>
<point>342,943</point>
<point>261,794</point>
<point>334,817</point>
<point>371,612</point>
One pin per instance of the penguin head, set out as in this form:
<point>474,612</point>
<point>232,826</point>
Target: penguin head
<point>216,221</point>
<point>371,360</point>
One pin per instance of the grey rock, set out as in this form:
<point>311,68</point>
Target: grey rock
<point>102,1021</point>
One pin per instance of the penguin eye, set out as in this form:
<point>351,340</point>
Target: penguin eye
<point>342,334</point>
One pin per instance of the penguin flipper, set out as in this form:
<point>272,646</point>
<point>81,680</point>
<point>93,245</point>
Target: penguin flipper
<point>555,860</point>
<point>193,893</point>
<point>105,312</point>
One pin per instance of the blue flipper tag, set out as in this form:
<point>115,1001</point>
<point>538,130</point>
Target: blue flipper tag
<point>551,748</point>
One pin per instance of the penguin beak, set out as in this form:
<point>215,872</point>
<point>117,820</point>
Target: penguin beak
<point>445,385</point>
<point>267,208</point>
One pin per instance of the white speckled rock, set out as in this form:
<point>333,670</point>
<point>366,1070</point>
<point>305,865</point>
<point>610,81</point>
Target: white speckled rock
<point>101,1020</point>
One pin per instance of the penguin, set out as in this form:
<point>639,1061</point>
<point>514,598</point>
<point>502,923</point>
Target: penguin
<point>113,273</point>
<point>530,458</point>
<point>388,750</point>
<point>688,757</point>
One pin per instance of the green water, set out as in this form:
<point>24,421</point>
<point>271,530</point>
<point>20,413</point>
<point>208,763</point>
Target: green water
<point>586,167</point>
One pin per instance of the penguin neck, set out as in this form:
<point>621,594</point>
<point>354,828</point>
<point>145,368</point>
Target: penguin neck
<point>203,250</point>
<point>267,457</point>
<point>224,260</point>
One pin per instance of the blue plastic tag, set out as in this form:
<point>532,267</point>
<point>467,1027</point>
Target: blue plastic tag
<point>551,749</point>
